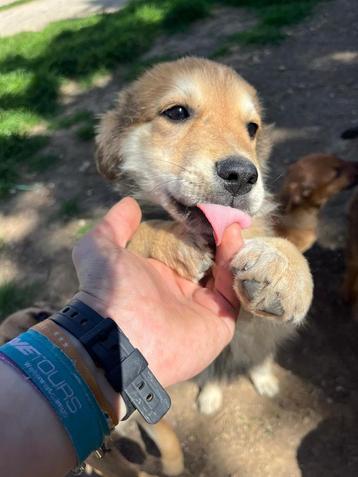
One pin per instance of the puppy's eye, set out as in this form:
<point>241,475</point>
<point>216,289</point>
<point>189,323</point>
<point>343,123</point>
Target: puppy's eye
<point>252,129</point>
<point>176,113</point>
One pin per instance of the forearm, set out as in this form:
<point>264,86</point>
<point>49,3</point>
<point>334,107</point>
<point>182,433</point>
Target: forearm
<point>33,437</point>
<point>33,440</point>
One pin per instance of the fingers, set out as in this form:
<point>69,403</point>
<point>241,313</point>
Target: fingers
<point>225,252</point>
<point>230,245</point>
<point>120,223</point>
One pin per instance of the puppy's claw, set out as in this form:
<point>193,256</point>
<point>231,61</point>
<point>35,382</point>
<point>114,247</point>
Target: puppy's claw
<point>252,287</point>
<point>277,284</point>
<point>274,308</point>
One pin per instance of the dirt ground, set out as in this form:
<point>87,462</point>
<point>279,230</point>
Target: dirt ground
<point>310,90</point>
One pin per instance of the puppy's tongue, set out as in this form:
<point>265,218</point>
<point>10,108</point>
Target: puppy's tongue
<point>220,217</point>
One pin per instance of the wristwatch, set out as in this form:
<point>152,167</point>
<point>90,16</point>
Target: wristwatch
<point>124,366</point>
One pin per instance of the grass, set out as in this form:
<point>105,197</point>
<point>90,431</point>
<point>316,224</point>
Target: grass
<point>84,119</point>
<point>15,151</point>
<point>41,162</point>
<point>2,245</point>
<point>65,122</point>
<point>70,208</point>
<point>86,131</point>
<point>34,66</point>
<point>84,229</point>
<point>14,296</point>
<point>272,17</point>
<point>16,3</point>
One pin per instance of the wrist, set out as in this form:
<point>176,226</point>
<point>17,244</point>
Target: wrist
<point>125,369</point>
<point>114,399</point>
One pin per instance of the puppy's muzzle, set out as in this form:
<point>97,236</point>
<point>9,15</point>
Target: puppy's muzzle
<point>237,174</point>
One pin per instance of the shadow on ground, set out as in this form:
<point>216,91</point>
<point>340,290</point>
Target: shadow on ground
<point>307,85</point>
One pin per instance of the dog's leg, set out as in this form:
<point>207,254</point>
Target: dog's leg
<point>210,398</point>
<point>263,378</point>
<point>21,321</point>
<point>168,444</point>
<point>169,243</point>
<point>272,280</point>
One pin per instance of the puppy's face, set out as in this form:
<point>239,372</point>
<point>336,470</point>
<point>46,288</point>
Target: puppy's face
<point>315,178</point>
<point>187,132</point>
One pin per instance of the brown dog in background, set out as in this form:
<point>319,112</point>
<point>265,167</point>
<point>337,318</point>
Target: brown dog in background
<point>310,182</point>
<point>350,287</point>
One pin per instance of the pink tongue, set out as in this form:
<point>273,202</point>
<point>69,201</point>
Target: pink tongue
<point>220,217</point>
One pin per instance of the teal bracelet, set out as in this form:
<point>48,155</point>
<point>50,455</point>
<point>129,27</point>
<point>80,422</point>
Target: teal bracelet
<point>56,377</point>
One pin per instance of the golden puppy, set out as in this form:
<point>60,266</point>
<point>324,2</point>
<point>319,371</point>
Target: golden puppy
<point>309,183</point>
<point>190,132</point>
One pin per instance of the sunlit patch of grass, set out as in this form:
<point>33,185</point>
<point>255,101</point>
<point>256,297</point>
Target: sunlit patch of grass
<point>34,66</point>
<point>150,13</point>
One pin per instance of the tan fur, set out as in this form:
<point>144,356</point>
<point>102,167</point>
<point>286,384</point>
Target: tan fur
<point>211,135</point>
<point>19,322</point>
<point>169,243</point>
<point>309,183</point>
<point>158,160</point>
<point>113,464</point>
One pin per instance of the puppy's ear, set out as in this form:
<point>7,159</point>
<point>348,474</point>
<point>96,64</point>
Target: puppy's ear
<point>294,194</point>
<point>109,135</point>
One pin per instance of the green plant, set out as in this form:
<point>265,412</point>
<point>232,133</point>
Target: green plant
<point>14,4</point>
<point>70,208</point>
<point>84,229</point>
<point>14,296</point>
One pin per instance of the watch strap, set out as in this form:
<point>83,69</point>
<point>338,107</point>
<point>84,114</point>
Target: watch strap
<point>56,334</point>
<point>125,367</point>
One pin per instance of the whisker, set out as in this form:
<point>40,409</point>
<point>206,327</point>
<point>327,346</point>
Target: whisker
<point>165,183</point>
<point>174,164</point>
<point>277,178</point>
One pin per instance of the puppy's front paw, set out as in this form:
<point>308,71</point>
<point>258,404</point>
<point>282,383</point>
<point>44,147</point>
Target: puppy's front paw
<point>272,279</point>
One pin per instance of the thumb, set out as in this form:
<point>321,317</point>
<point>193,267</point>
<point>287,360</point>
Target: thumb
<point>225,252</point>
<point>120,223</point>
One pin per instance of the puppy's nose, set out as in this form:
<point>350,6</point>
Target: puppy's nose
<point>239,174</point>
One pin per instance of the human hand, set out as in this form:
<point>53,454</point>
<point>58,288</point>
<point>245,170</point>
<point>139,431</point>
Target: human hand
<point>180,327</point>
